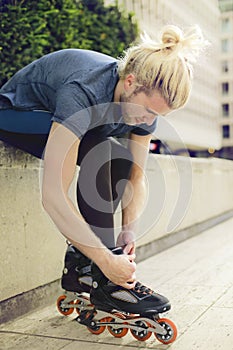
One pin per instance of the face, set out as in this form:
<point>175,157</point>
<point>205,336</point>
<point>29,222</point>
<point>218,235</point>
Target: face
<point>140,108</point>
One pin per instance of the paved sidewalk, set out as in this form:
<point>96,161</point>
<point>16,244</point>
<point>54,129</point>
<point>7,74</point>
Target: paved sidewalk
<point>196,275</point>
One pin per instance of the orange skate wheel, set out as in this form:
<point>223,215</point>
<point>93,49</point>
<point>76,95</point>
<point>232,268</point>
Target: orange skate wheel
<point>115,331</point>
<point>98,329</point>
<point>171,329</point>
<point>64,310</point>
<point>141,335</point>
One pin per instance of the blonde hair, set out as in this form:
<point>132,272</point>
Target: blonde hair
<point>165,65</point>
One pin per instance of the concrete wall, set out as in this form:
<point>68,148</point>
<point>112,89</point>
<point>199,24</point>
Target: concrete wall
<point>183,192</point>
<point>31,248</point>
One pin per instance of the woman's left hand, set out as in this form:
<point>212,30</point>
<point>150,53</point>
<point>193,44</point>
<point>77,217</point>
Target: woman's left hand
<point>126,240</point>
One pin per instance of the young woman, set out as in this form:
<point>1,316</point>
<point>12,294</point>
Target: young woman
<point>85,99</point>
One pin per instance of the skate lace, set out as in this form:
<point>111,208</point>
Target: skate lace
<point>139,287</point>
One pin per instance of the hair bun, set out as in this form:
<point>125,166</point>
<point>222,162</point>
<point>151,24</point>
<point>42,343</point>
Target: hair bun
<point>171,35</point>
<point>188,43</point>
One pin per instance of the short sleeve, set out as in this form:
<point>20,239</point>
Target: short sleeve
<point>144,129</point>
<point>72,109</point>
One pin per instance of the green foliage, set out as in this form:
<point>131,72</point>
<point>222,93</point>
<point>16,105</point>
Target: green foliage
<point>32,28</point>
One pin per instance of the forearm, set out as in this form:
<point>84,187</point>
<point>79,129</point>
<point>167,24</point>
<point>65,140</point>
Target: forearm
<point>133,202</point>
<point>119,269</point>
<point>72,225</point>
<point>135,195</point>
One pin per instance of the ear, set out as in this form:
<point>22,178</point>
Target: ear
<point>129,83</point>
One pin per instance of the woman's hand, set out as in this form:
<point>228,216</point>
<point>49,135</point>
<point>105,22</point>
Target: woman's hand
<point>119,269</point>
<point>126,240</point>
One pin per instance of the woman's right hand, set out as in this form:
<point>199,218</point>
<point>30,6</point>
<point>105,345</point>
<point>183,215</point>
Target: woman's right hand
<point>119,269</point>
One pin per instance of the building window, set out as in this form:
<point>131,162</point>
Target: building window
<point>225,67</point>
<point>226,131</point>
<point>225,110</point>
<point>226,25</point>
<point>225,45</point>
<point>225,89</point>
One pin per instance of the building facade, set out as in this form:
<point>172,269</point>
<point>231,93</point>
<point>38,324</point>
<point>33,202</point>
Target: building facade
<point>226,77</point>
<point>197,124</point>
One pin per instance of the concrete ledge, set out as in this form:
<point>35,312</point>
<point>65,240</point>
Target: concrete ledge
<point>29,301</point>
<point>186,196</point>
<point>165,242</point>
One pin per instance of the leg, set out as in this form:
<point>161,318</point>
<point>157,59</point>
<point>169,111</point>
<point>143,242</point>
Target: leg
<point>120,171</point>
<point>103,164</point>
<point>31,143</point>
<point>26,130</point>
<point>94,196</point>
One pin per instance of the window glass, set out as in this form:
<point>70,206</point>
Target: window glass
<point>225,88</point>
<point>226,131</point>
<point>226,25</point>
<point>225,110</point>
<point>225,67</point>
<point>225,45</point>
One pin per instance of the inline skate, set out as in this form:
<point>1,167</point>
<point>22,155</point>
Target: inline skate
<point>120,309</point>
<point>76,281</point>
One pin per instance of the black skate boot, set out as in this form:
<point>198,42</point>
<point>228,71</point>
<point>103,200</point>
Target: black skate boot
<point>107,296</point>
<point>76,281</point>
<point>120,309</point>
<point>77,271</point>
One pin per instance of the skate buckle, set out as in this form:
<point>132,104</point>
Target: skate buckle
<point>86,318</point>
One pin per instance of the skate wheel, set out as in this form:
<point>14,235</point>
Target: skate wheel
<point>115,331</point>
<point>171,329</point>
<point>97,329</point>
<point>141,335</point>
<point>64,310</point>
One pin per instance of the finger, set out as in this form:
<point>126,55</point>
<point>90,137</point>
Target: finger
<point>132,250</point>
<point>132,269</point>
<point>129,249</point>
<point>131,257</point>
<point>129,285</point>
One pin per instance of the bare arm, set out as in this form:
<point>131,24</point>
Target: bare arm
<point>134,198</point>
<point>59,169</point>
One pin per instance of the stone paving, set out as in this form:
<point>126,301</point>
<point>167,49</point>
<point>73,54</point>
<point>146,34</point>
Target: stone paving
<point>197,277</point>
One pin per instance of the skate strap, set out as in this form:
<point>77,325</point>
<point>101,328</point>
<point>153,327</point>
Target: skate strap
<point>139,287</point>
<point>85,269</point>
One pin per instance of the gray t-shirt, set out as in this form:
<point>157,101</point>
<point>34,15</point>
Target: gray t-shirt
<point>68,83</point>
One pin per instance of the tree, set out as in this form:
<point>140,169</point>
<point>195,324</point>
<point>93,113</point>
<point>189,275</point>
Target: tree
<point>32,28</point>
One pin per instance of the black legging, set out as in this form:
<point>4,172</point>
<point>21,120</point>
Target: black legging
<point>26,130</point>
<point>104,168</point>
